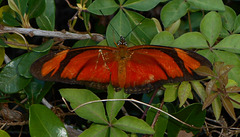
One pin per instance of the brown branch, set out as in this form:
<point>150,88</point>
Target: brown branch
<point>57,34</point>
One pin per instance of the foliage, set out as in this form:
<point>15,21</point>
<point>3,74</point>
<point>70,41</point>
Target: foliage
<point>209,27</point>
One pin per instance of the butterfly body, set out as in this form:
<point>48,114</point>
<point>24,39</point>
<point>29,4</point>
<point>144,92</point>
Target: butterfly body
<point>137,69</point>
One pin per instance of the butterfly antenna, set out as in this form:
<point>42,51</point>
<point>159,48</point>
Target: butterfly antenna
<point>135,27</point>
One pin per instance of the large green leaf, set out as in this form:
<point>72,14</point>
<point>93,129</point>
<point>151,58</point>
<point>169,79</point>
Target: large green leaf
<point>190,40</point>
<point>46,20</point>
<point>95,130</point>
<point>94,112</point>
<point>230,43</point>
<point>103,7</point>
<point>207,4</point>
<point>192,115</point>
<point>228,18</point>
<point>43,122</point>
<point>141,5</point>
<point>164,38</point>
<point>19,6</point>
<point>4,133</point>
<point>133,124</point>
<point>10,80</point>
<point>173,11</point>
<point>113,107</point>
<point>35,8</point>
<point>211,26</point>
<point>120,26</point>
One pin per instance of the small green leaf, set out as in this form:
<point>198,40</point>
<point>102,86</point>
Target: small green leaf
<point>10,20</point>
<point>211,26</point>
<point>170,93</point>
<point>43,122</point>
<point>18,6</point>
<point>141,5</point>
<point>207,4</point>
<point>119,26</point>
<point>173,11</point>
<point>103,7</point>
<point>94,112</point>
<point>236,97</point>
<point>174,27</point>
<point>183,92</point>
<point>190,40</point>
<point>95,130</point>
<point>115,132</point>
<point>198,87</point>
<point>164,38</point>
<point>46,20</point>
<point>237,25</point>
<point>228,18</point>
<point>44,47</point>
<point>10,80</point>
<point>35,8</point>
<point>113,107</point>
<point>230,43</point>
<point>2,53</point>
<point>85,42</point>
<point>217,107</point>
<point>4,134</point>
<point>133,124</point>
<point>227,104</point>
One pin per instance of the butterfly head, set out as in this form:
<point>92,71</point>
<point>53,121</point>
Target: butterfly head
<point>122,41</point>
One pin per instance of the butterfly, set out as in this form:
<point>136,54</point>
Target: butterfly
<point>137,69</point>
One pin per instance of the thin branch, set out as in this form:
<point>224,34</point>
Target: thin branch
<point>57,34</point>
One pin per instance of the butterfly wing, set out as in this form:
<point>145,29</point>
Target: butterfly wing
<point>151,66</point>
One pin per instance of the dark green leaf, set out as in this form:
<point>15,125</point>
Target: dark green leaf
<point>95,130</point>
<point>35,8</point>
<point>4,133</point>
<point>43,122</point>
<point>141,5</point>
<point>192,115</point>
<point>10,80</point>
<point>44,47</point>
<point>207,4</point>
<point>46,21</point>
<point>18,6</point>
<point>133,124</point>
<point>173,11</point>
<point>211,26</point>
<point>85,42</point>
<point>113,107</point>
<point>103,7</point>
<point>164,38</point>
<point>120,26</point>
<point>228,18</point>
<point>115,132</point>
<point>94,112</point>
<point>10,20</point>
<point>184,91</point>
<point>190,40</point>
<point>3,44</point>
<point>230,43</point>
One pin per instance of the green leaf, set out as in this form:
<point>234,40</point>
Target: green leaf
<point>211,26</point>
<point>207,4</point>
<point>236,97</point>
<point>164,38</point>
<point>192,115</point>
<point>237,25</point>
<point>120,26</point>
<point>3,44</point>
<point>95,130</point>
<point>144,28</point>
<point>115,132</point>
<point>26,62</point>
<point>10,80</point>
<point>85,42</point>
<point>103,7</point>
<point>171,92</point>
<point>4,133</point>
<point>113,107</point>
<point>174,27</point>
<point>141,5</point>
<point>161,123</point>
<point>199,89</point>
<point>10,20</point>
<point>183,92</point>
<point>230,43</point>
<point>228,18</point>
<point>133,124</point>
<point>2,53</point>
<point>46,21</point>
<point>173,11</point>
<point>44,47</point>
<point>209,100</point>
<point>19,6</point>
<point>190,40</point>
<point>35,8</point>
<point>43,122</point>
<point>94,112</point>
<point>217,107</point>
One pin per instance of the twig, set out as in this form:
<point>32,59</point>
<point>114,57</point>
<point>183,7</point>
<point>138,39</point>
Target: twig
<point>56,34</point>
